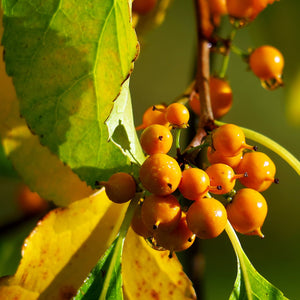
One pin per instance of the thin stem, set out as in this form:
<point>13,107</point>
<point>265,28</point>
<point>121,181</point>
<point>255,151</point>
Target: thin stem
<point>238,51</point>
<point>272,145</point>
<point>177,138</point>
<point>240,256</point>
<point>119,245</point>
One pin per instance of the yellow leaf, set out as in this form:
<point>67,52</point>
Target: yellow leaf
<point>63,248</point>
<point>42,171</point>
<point>151,274</point>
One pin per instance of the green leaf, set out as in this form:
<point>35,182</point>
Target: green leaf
<point>93,285</point>
<point>249,283</point>
<point>69,60</point>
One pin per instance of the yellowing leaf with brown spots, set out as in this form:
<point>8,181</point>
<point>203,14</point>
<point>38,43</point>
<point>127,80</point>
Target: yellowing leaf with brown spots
<point>151,274</point>
<point>63,248</point>
<point>42,171</point>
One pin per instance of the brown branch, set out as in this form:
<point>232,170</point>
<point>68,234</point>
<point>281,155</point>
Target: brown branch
<point>204,31</point>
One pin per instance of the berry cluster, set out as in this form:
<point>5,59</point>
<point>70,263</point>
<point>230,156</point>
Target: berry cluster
<point>179,201</point>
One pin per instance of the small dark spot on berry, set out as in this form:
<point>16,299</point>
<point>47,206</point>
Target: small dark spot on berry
<point>276,180</point>
<point>160,137</point>
<point>219,187</point>
<point>153,107</point>
<point>190,239</point>
<point>246,174</point>
<point>155,227</point>
<point>170,255</point>
<point>255,148</point>
<point>169,185</point>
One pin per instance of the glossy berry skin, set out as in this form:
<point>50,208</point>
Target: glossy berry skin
<point>207,218</point>
<point>160,174</point>
<point>177,115</point>
<point>156,139</point>
<point>229,139</point>
<point>138,225</point>
<point>161,213</point>
<point>220,96</point>
<point>217,9</point>
<point>247,212</point>
<point>267,63</point>
<point>120,187</point>
<point>221,176</point>
<point>260,169</point>
<point>179,239</point>
<point>154,115</point>
<point>143,7</point>
<point>194,183</point>
<point>218,157</point>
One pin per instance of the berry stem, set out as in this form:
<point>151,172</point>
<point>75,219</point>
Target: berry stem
<point>177,138</point>
<point>239,51</point>
<point>272,145</point>
<point>119,245</point>
<point>240,257</point>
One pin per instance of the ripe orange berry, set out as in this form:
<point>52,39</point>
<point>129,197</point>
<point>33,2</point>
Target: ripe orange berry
<point>143,7</point>
<point>246,9</point>
<point>207,218</point>
<point>179,239</point>
<point>154,115</point>
<point>220,96</point>
<point>222,178</point>
<point>247,212</point>
<point>161,212</point>
<point>138,225</point>
<point>160,174</point>
<point>177,115</point>
<point>260,169</point>
<point>30,202</point>
<point>120,187</point>
<point>267,63</point>
<point>229,139</point>
<point>194,183</point>
<point>217,9</point>
<point>214,157</point>
<point>156,139</point>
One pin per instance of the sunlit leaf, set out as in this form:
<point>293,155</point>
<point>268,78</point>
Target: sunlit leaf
<point>68,60</point>
<point>39,168</point>
<point>151,274</point>
<point>64,247</point>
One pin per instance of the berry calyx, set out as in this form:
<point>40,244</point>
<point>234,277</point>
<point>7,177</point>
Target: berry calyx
<point>260,169</point>
<point>267,63</point>
<point>247,212</point>
<point>156,139</point>
<point>161,213</point>
<point>154,115</point>
<point>160,174</point>
<point>177,115</point>
<point>207,218</point>
<point>120,187</point>
<point>194,183</point>
<point>229,139</point>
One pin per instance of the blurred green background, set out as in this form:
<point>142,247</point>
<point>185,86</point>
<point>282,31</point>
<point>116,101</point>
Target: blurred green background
<point>162,72</point>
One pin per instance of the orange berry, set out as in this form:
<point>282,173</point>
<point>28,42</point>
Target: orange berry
<point>267,63</point>
<point>120,187</point>
<point>161,212</point>
<point>214,157</point>
<point>220,97</point>
<point>156,139</point>
<point>260,170</point>
<point>160,174</point>
<point>247,212</point>
<point>154,115</point>
<point>222,178</point>
<point>138,225</point>
<point>177,115</point>
<point>217,9</point>
<point>207,218</point>
<point>179,239</point>
<point>194,183</point>
<point>143,7</point>
<point>229,139</point>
